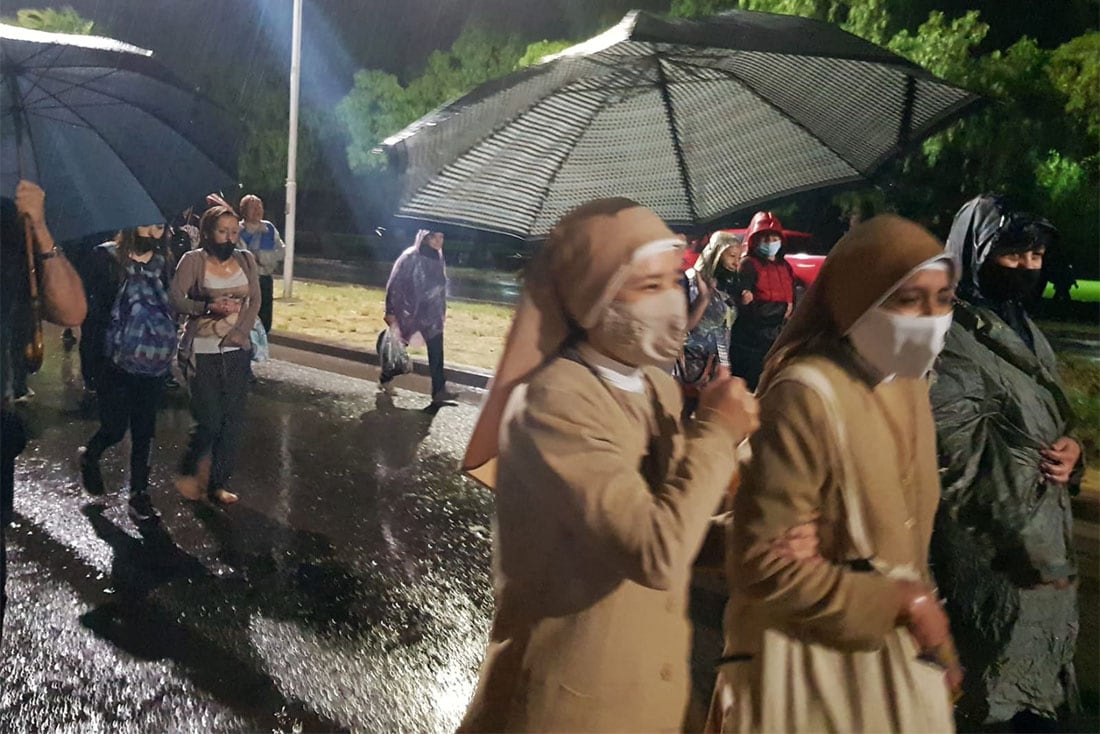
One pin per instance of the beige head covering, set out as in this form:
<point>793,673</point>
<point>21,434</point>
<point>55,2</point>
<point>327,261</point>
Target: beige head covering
<point>575,276</point>
<point>862,270</point>
<point>711,255</point>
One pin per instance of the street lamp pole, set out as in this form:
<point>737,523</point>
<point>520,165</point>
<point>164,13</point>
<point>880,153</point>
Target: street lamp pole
<point>292,151</point>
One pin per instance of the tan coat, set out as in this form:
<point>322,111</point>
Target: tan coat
<point>793,477</point>
<point>593,548</point>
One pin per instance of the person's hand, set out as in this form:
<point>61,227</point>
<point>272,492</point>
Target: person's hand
<point>728,400</point>
<point>800,543</point>
<point>1060,460</point>
<point>921,613</point>
<point>236,339</point>
<point>701,284</point>
<point>790,310</point>
<point>746,297</point>
<point>30,201</point>
<point>224,306</point>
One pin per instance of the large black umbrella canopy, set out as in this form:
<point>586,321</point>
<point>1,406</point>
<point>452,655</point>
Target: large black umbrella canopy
<point>693,118</point>
<point>113,137</point>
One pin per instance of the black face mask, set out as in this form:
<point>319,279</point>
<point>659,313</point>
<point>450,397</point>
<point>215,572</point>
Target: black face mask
<point>143,245</point>
<point>222,251</point>
<point>726,279</point>
<point>1000,284</point>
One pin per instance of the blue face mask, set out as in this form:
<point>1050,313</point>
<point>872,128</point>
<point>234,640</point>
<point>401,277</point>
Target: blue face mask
<point>769,249</point>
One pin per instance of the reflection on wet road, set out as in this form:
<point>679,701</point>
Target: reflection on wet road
<point>349,590</point>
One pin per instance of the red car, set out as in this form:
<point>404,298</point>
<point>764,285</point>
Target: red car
<point>805,267</point>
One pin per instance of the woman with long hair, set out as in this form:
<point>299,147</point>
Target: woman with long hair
<point>217,288</point>
<point>129,342</point>
<point>855,641</point>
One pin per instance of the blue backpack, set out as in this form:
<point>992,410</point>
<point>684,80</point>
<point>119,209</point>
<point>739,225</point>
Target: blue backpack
<point>141,338</point>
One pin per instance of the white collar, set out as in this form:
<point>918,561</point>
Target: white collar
<point>614,373</point>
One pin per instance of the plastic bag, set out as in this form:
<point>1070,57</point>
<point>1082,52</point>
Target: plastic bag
<point>393,358</point>
<point>261,351</point>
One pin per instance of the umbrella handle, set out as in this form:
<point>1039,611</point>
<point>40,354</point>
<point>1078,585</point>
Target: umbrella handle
<point>34,350</point>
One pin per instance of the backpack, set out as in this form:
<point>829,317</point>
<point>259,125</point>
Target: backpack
<point>141,337</point>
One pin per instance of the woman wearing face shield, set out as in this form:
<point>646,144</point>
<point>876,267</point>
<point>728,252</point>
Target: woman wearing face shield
<point>1003,552</point>
<point>602,498</point>
<point>218,288</point>
<point>767,297</point>
<point>855,641</point>
<point>128,397</point>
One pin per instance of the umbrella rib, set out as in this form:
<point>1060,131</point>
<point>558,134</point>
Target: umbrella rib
<point>677,145</point>
<point>906,124</point>
<point>561,163</point>
<point>119,157</point>
<point>786,115</point>
<point>121,101</point>
<point>43,74</point>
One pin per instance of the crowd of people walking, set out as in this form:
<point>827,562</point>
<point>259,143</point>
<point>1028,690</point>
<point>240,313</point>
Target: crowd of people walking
<point>890,460</point>
<point>898,526</point>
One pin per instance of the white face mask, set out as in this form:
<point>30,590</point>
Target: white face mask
<point>649,331</point>
<point>899,346</point>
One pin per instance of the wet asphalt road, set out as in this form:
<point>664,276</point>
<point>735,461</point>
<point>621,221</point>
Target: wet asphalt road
<point>348,590</point>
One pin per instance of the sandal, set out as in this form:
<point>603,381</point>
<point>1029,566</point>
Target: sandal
<point>224,496</point>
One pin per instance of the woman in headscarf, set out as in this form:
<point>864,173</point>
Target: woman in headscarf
<point>846,437</point>
<point>1003,547</point>
<point>602,499</point>
<point>712,286</point>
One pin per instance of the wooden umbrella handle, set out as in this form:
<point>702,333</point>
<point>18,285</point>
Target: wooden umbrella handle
<point>34,351</point>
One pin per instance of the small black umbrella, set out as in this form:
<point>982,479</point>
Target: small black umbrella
<point>695,119</point>
<point>110,134</point>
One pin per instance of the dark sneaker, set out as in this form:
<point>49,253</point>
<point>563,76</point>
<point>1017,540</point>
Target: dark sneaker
<point>68,340</point>
<point>90,475</point>
<point>444,396</point>
<point>141,508</point>
<point>25,397</point>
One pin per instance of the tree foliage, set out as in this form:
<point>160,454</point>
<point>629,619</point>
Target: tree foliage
<point>536,52</point>
<point>262,160</point>
<point>65,20</point>
<point>378,105</point>
<point>1036,140</point>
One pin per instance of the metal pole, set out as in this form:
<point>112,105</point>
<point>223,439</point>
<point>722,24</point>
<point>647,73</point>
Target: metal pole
<point>292,151</point>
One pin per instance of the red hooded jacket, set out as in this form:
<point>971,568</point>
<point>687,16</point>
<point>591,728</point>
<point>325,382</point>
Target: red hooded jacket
<point>769,281</point>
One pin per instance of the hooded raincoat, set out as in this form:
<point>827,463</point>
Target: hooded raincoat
<point>771,283</point>
<point>416,292</point>
<point>707,345</point>
<point>1002,552</point>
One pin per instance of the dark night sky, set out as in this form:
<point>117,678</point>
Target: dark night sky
<point>201,39</point>
<point>213,43</point>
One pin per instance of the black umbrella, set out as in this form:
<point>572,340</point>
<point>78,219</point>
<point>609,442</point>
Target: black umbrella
<point>695,119</point>
<point>110,134</point>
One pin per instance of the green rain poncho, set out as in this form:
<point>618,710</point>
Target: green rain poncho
<point>1002,549</point>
